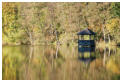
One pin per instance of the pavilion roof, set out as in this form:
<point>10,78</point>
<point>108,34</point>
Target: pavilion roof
<point>86,32</point>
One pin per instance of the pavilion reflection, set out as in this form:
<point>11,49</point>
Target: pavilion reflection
<point>86,54</point>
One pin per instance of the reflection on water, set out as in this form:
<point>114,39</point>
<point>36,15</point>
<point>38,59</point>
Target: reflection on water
<point>86,54</point>
<point>61,62</point>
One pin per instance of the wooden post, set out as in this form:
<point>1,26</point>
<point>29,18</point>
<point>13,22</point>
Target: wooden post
<point>89,37</point>
<point>94,37</point>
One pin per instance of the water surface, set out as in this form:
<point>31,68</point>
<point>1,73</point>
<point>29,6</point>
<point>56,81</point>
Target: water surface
<point>60,63</point>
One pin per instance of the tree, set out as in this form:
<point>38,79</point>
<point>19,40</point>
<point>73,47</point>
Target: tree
<point>31,22</point>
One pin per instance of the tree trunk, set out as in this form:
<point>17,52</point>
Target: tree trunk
<point>57,50</point>
<point>104,34</point>
<point>109,52</point>
<point>104,58</point>
<point>109,38</point>
<point>56,36</point>
<point>31,39</point>
<point>87,23</point>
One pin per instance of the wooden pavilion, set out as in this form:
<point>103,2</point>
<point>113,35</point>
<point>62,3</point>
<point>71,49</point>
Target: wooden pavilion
<point>86,42</point>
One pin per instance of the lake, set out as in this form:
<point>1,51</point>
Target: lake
<point>60,63</point>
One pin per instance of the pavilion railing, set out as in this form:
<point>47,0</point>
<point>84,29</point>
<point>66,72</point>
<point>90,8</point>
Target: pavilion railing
<point>86,49</point>
<point>86,42</point>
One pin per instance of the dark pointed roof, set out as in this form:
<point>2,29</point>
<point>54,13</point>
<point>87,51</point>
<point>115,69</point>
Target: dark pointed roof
<point>86,32</point>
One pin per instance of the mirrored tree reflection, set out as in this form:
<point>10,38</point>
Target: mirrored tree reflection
<point>59,63</point>
<point>29,55</point>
